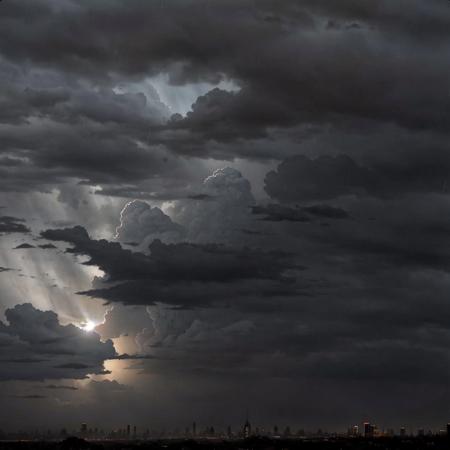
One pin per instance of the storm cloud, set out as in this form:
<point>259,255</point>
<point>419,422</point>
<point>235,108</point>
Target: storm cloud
<point>35,346</point>
<point>181,274</point>
<point>10,224</point>
<point>249,197</point>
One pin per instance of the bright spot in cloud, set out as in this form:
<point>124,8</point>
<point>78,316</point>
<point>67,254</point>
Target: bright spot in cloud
<point>88,325</point>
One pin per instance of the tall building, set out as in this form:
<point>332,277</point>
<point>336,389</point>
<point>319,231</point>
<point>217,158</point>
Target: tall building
<point>247,429</point>
<point>368,429</point>
<point>84,429</point>
<point>128,430</point>
<point>448,429</point>
<point>194,429</point>
<point>402,431</point>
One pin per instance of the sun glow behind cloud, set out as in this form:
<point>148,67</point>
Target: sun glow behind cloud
<point>49,278</point>
<point>88,326</point>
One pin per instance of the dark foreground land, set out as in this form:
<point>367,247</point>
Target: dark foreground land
<point>435,443</point>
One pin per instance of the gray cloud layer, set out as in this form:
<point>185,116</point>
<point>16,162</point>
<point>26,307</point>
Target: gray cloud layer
<point>181,274</point>
<point>310,74</point>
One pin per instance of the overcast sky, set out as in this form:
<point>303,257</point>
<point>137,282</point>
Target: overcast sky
<point>249,201</point>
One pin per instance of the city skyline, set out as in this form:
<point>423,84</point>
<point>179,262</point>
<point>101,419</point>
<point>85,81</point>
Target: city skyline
<point>246,430</point>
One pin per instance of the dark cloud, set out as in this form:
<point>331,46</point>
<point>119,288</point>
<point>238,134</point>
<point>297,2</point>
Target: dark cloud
<point>59,129</point>
<point>126,356</point>
<point>308,83</point>
<point>54,351</point>
<point>295,73</point>
<point>326,211</point>
<point>301,178</point>
<point>275,213</point>
<point>61,387</point>
<point>183,261</point>
<point>75,366</point>
<point>200,197</point>
<point>24,246</point>
<point>131,244</point>
<point>388,16</point>
<point>47,246</point>
<point>10,224</point>
<point>180,274</point>
<point>30,397</point>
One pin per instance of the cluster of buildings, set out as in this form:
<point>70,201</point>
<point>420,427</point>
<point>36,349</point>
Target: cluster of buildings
<point>370,430</point>
<point>131,432</point>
